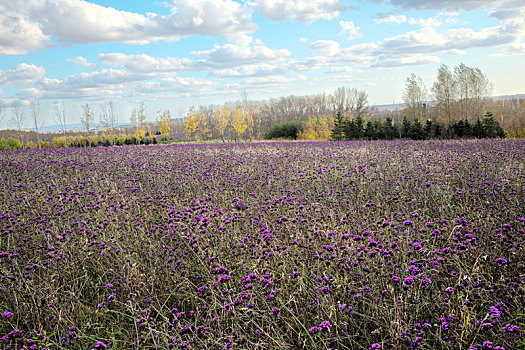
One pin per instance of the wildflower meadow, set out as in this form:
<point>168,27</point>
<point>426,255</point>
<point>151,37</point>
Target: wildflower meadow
<point>291,245</point>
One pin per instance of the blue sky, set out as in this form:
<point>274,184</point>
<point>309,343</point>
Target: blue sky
<point>175,54</point>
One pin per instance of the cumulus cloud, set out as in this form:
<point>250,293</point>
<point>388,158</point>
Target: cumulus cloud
<point>82,62</point>
<point>428,40</point>
<point>21,74</point>
<point>254,70</point>
<point>233,55</point>
<point>269,80</point>
<point>146,64</point>
<point>449,5</point>
<point>350,30</point>
<point>516,49</point>
<point>386,61</point>
<point>306,11</point>
<point>501,9</point>
<point>82,22</point>
<point>19,34</point>
<point>325,47</point>
<point>110,83</point>
<point>391,19</point>
<point>337,70</point>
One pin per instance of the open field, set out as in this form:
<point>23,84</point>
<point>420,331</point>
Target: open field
<point>350,245</point>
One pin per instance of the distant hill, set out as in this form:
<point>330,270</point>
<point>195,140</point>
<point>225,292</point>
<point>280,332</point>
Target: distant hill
<point>78,127</point>
<point>394,106</point>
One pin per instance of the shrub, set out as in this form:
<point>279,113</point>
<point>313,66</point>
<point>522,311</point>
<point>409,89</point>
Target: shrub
<point>288,130</point>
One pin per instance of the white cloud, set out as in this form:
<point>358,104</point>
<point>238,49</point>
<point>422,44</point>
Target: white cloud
<point>325,47</point>
<point>82,62</point>
<point>82,22</point>
<point>449,5</point>
<point>306,11</point>
<point>501,9</point>
<point>456,52</point>
<point>273,79</point>
<point>21,74</point>
<point>19,34</point>
<point>428,40</point>
<point>425,22</point>
<point>112,84</point>
<point>146,64</point>
<point>391,19</point>
<point>516,49</point>
<point>344,69</point>
<point>386,61</point>
<point>254,70</point>
<point>233,55</point>
<point>349,29</point>
<point>114,59</point>
<point>303,39</point>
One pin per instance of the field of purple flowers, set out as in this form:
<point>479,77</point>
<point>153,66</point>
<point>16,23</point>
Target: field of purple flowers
<point>349,245</point>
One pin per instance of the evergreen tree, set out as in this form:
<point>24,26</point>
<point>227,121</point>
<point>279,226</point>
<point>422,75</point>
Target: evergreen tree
<point>370,131</point>
<point>338,132</point>
<point>416,131</point>
<point>359,126</point>
<point>388,129</point>
<point>491,126</point>
<point>350,130</point>
<point>405,128</point>
<point>478,130</point>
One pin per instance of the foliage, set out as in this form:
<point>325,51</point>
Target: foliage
<point>288,130</point>
<point>10,143</point>
<point>196,126</point>
<point>317,128</point>
<point>222,118</point>
<point>238,122</point>
<point>164,123</point>
<point>356,129</point>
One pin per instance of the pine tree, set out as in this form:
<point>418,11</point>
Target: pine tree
<point>339,125</point>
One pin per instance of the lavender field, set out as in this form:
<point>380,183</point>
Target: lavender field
<point>348,245</point>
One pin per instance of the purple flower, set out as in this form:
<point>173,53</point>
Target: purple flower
<point>511,328</point>
<point>100,345</point>
<point>501,261</point>
<point>7,314</point>
<point>494,312</point>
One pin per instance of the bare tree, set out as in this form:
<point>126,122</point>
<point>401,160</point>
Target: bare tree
<point>414,96</point>
<point>60,116</point>
<point>444,90</point>
<point>37,117</point>
<point>350,101</point>
<point>357,102</point>
<point>473,91</point>
<point>87,119</point>
<point>108,119</point>
<point>17,120</point>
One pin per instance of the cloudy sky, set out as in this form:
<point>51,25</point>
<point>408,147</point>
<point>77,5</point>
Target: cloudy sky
<point>178,53</point>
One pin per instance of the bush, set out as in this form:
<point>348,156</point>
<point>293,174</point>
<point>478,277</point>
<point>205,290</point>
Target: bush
<point>288,130</point>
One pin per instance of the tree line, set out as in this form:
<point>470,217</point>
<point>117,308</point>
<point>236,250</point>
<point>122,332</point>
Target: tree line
<point>457,99</point>
<point>358,128</point>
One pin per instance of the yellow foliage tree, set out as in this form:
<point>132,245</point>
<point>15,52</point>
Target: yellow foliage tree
<point>164,123</point>
<point>222,116</point>
<point>140,133</point>
<point>239,122</point>
<point>251,123</point>
<point>196,126</point>
<point>317,128</point>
